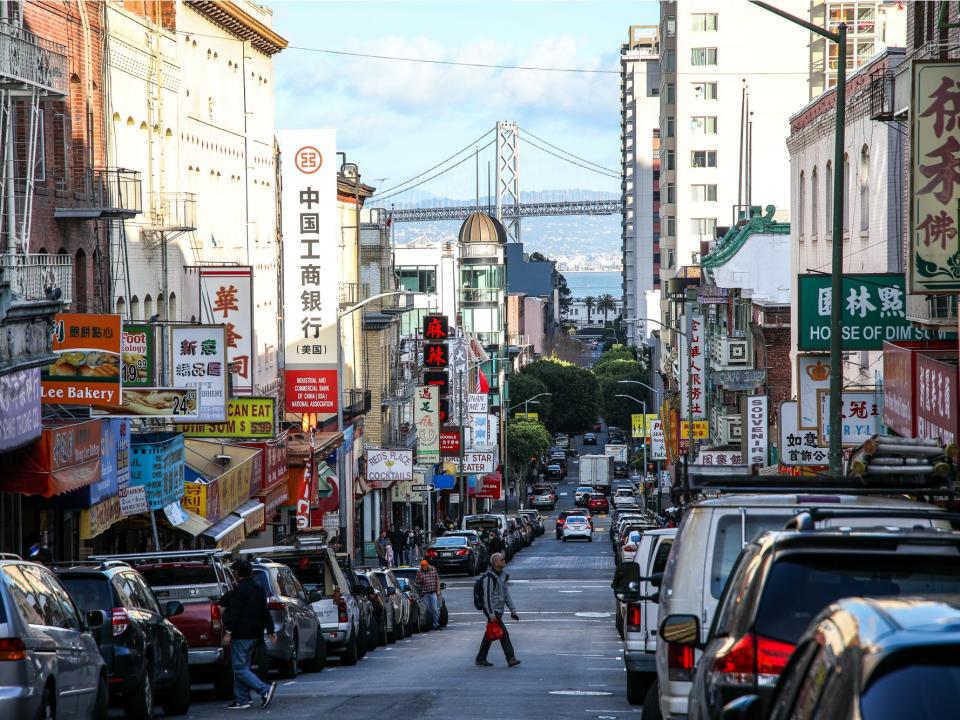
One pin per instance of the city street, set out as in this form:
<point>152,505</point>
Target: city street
<point>572,664</point>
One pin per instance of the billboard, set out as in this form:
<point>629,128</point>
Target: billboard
<point>87,367</point>
<point>385,467</point>
<point>198,361</point>
<point>427,421</point>
<point>311,269</point>
<point>138,356</point>
<point>248,417</point>
<point>226,297</point>
<point>19,408</point>
<point>798,447</point>
<point>859,413</point>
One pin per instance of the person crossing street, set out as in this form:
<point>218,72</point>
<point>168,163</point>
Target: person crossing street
<point>495,599</point>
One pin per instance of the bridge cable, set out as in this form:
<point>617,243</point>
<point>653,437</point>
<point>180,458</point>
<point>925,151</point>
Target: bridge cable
<point>389,194</point>
<point>605,173</point>
<point>567,152</point>
<point>394,189</point>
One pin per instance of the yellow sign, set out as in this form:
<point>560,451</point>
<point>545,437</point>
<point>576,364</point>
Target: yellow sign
<point>527,416</point>
<point>640,424</point>
<point>98,518</point>
<point>249,417</point>
<point>214,500</point>
<point>701,430</point>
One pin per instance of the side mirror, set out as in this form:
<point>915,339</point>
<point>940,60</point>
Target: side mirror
<point>656,579</point>
<point>314,596</point>
<point>95,619</point>
<point>626,581</point>
<point>745,707</point>
<point>681,630</point>
<point>173,608</point>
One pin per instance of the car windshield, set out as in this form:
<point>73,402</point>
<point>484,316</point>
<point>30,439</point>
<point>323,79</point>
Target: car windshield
<point>90,593</point>
<point>403,583</point>
<point>483,524</point>
<point>784,613</point>
<point>585,488</point>
<point>169,575</point>
<point>893,691</point>
<point>576,520</point>
<point>446,541</point>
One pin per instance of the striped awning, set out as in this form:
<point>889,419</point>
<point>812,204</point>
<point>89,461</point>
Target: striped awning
<point>253,514</point>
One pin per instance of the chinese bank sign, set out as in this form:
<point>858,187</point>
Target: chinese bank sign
<point>311,269</point>
<point>873,312</point>
<point>935,178</point>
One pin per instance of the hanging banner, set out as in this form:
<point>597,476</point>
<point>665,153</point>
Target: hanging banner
<point>198,361</point>
<point>692,352</point>
<point>640,424</point>
<point>936,383</point>
<point>305,491</point>
<point>226,297</point>
<point>658,441</point>
<point>934,182</point>
<point>19,408</point>
<point>427,422</point>
<point>385,467</point>
<point>480,423</point>
<point>311,268</point>
<point>798,447</point>
<point>859,412</point>
<point>87,368</point>
<point>753,411</point>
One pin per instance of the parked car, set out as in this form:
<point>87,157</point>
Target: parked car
<point>315,567</point>
<point>576,526</point>
<point>750,642</point>
<point>620,519</point>
<point>145,655</point>
<point>581,494</point>
<point>589,439</point>
<point>383,611</point>
<point>395,609</point>
<point>198,579</point>
<point>526,528</point>
<point>477,542</point>
<point>707,545</point>
<point>558,459</point>
<point>553,472</point>
<point>409,576</point>
<point>876,659</point>
<point>564,514</point>
<point>51,665</point>
<point>637,609</point>
<point>298,637</point>
<point>623,496</point>
<point>453,553</point>
<point>370,629</point>
<point>536,519</point>
<point>597,502</point>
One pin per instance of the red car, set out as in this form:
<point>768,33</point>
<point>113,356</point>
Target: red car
<point>598,503</point>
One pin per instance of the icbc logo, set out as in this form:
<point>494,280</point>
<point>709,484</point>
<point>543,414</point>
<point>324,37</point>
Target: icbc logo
<point>308,160</point>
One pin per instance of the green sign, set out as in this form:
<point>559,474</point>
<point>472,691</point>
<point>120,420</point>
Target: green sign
<point>137,356</point>
<point>874,310</point>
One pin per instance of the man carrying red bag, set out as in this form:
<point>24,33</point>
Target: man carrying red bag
<point>496,597</point>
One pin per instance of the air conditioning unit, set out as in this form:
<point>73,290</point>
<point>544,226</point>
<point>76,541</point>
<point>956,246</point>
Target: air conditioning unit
<point>729,353</point>
<point>729,430</point>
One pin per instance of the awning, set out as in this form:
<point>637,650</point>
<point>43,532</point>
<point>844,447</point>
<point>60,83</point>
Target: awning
<point>228,533</point>
<point>65,458</point>
<point>184,520</point>
<point>275,496</point>
<point>252,512</point>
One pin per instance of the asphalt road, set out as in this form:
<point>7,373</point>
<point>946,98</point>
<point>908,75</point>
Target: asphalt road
<point>572,664</point>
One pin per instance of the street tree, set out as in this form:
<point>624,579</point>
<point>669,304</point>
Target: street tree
<point>524,386</point>
<point>526,439</point>
<point>605,304</point>
<point>621,363</point>
<point>575,394</point>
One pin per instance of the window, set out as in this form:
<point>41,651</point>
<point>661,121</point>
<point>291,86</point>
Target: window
<point>703,193</point>
<point>828,216</point>
<point>670,259</point>
<point>705,91</point>
<point>703,21</point>
<point>671,94</point>
<point>670,61</point>
<point>865,188</point>
<point>814,202</point>
<point>703,158</point>
<point>846,194</point>
<point>671,193</point>
<point>671,160</point>
<point>418,278</point>
<point>671,26</point>
<point>671,225</point>
<point>704,124</point>
<point>731,538</point>
<point>670,127</point>
<point>801,202</point>
<point>703,56</point>
<point>704,227</point>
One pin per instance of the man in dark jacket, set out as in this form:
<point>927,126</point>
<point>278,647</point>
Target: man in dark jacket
<point>246,618</point>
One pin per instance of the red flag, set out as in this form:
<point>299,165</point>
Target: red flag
<point>483,386</point>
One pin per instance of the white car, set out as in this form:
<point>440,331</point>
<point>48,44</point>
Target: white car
<point>577,526</point>
<point>624,496</point>
<point>629,548</point>
<point>581,493</point>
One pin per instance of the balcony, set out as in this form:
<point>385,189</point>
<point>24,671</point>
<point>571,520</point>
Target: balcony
<point>355,402</point>
<point>402,436</point>
<point>100,193</point>
<point>172,212</point>
<point>398,392</point>
<point>480,295</point>
<point>489,339</point>
<point>38,277</point>
<point>353,293</point>
<point>520,340</point>
<point>938,311</point>
<point>26,59</point>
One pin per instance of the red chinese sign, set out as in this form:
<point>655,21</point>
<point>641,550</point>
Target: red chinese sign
<point>937,398</point>
<point>449,443</point>
<point>436,355</point>
<point>311,391</point>
<point>227,298</point>
<point>436,327</point>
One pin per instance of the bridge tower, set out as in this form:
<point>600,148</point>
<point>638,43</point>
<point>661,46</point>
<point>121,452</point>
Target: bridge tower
<point>508,177</point>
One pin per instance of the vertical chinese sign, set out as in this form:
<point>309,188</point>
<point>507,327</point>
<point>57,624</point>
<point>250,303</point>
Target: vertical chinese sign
<point>427,421</point>
<point>226,297</point>
<point>311,269</point>
<point>692,401</point>
<point>198,360</point>
<point>935,177</point>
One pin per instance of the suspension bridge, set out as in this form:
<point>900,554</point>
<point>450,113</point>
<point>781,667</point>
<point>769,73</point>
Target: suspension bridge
<point>412,201</point>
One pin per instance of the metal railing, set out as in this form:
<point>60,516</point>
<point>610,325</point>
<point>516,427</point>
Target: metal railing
<point>26,58</point>
<point>101,192</point>
<point>397,391</point>
<point>480,250</point>
<point>352,293</point>
<point>519,340</point>
<point>38,276</point>
<point>488,338</point>
<point>355,402</point>
<point>173,211</point>
<point>403,436</point>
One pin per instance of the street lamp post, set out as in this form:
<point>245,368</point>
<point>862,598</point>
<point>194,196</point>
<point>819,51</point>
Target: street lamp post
<point>529,401</point>
<point>656,394</point>
<point>689,388</point>
<point>836,271</point>
<point>644,404</point>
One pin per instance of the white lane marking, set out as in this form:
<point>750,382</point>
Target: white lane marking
<point>592,614</point>
<point>571,591</point>
<point>288,684</point>
<point>579,692</point>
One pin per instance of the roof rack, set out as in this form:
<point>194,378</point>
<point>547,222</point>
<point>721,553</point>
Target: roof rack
<point>165,555</point>
<point>91,562</point>
<point>787,484</point>
<point>266,552</point>
<point>10,556</point>
<point>807,519</point>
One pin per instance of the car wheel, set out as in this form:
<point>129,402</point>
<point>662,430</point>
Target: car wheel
<point>349,655</point>
<point>177,700</point>
<point>319,659</point>
<point>290,667</point>
<point>590,539</point>
<point>638,683</point>
<point>444,615</point>
<point>564,539</point>
<point>103,699</point>
<point>139,702</point>
<point>47,710</point>
<point>619,624</point>
<point>651,704</point>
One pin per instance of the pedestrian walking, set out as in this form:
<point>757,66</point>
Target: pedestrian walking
<point>388,556</point>
<point>428,580</point>
<point>381,547</point>
<point>495,597</point>
<point>246,618</point>
<point>418,542</point>
<point>408,547</point>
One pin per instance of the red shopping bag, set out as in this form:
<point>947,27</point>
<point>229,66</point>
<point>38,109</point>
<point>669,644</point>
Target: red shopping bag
<point>494,630</point>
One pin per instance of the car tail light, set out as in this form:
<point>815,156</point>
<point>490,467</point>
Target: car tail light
<point>680,661</point>
<point>753,660</point>
<point>633,617</point>
<point>430,553</point>
<point>12,649</point>
<point>215,619</point>
<point>275,603</point>
<point>342,610</point>
<point>121,621</point>
<point>462,552</point>
<point>629,548</point>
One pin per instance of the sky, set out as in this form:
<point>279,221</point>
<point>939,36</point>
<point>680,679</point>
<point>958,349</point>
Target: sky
<point>396,119</point>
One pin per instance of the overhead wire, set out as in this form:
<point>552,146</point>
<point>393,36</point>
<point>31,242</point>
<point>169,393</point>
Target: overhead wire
<point>567,152</point>
<point>389,195</point>
<point>605,173</point>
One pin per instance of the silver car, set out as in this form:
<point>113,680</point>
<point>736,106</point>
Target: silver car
<point>51,666</point>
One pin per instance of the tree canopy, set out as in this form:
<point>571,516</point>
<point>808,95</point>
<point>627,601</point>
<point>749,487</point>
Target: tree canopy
<point>574,403</point>
<point>524,386</point>
<point>616,364</point>
<point>525,439</point>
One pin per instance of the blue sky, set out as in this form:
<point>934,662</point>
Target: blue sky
<point>395,119</point>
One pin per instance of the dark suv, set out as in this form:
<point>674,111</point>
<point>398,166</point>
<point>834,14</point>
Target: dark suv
<point>145,655</point>
<point>783,579</point>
